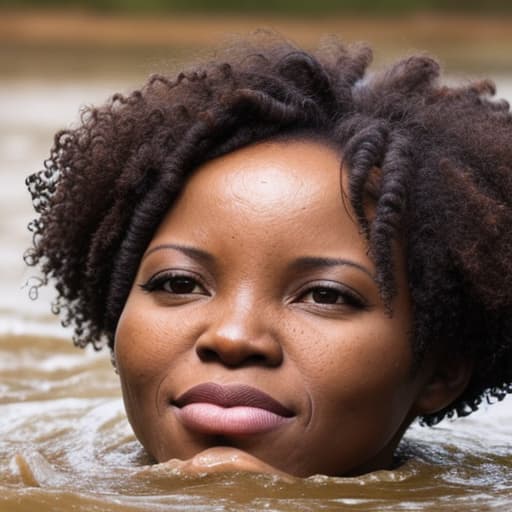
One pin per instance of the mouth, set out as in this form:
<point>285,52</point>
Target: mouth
<point>213,409</point>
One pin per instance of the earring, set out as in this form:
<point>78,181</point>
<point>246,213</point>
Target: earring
<point>114,361</point>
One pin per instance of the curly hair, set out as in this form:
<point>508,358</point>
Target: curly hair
<point>443,157</point>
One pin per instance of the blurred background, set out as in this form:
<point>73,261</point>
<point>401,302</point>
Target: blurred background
<point>58,55</point>
<point>128,38</point>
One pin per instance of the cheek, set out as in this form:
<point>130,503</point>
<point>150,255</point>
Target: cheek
<point>151,340</point>
<point>134,344</point>
<point>142,345</point>
<point>365,368</point>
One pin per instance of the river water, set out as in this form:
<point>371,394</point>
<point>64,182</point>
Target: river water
<point>65,443</point>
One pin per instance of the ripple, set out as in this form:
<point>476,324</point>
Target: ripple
<point>66,445</point>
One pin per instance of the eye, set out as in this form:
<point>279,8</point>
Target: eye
<point>181,285</point>
<point>174,283</point>
<point>325,296</point>
<point>332,296</point>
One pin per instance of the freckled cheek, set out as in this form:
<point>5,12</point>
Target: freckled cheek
<point>142,345</point>
<point>361,367</point>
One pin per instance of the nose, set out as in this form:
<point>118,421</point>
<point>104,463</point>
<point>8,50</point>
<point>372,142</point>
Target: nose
<point>240,338</point>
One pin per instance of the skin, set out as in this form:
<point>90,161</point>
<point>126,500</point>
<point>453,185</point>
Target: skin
<point>255,312</point>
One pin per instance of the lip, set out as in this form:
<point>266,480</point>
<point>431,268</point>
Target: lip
<point>234,409</point>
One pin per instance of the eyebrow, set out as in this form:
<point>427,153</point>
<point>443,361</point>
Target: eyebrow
<point>192,252</point>
<point>306,263</point>
<point>303,263</point>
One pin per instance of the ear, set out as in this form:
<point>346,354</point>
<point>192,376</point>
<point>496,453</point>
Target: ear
<point>448,379</point>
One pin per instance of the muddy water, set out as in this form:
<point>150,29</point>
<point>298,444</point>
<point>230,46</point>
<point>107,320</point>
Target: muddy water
<point>65,443</point>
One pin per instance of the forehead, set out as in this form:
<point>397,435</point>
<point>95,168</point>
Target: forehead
<point>270,175</point>
<point>278,196</point>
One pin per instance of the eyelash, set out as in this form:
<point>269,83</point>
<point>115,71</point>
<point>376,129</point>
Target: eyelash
<point>348,297</point>
<point>158,282</point>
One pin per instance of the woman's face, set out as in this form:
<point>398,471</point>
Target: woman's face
<point>254,321</point>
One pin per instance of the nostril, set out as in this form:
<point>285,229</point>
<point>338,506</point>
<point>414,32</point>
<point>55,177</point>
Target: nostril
<point>256,359</point>
<point>238,350</point>
<point>207,355</point>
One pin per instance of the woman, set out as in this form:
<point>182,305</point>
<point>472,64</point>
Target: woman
<point>289,259</point>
